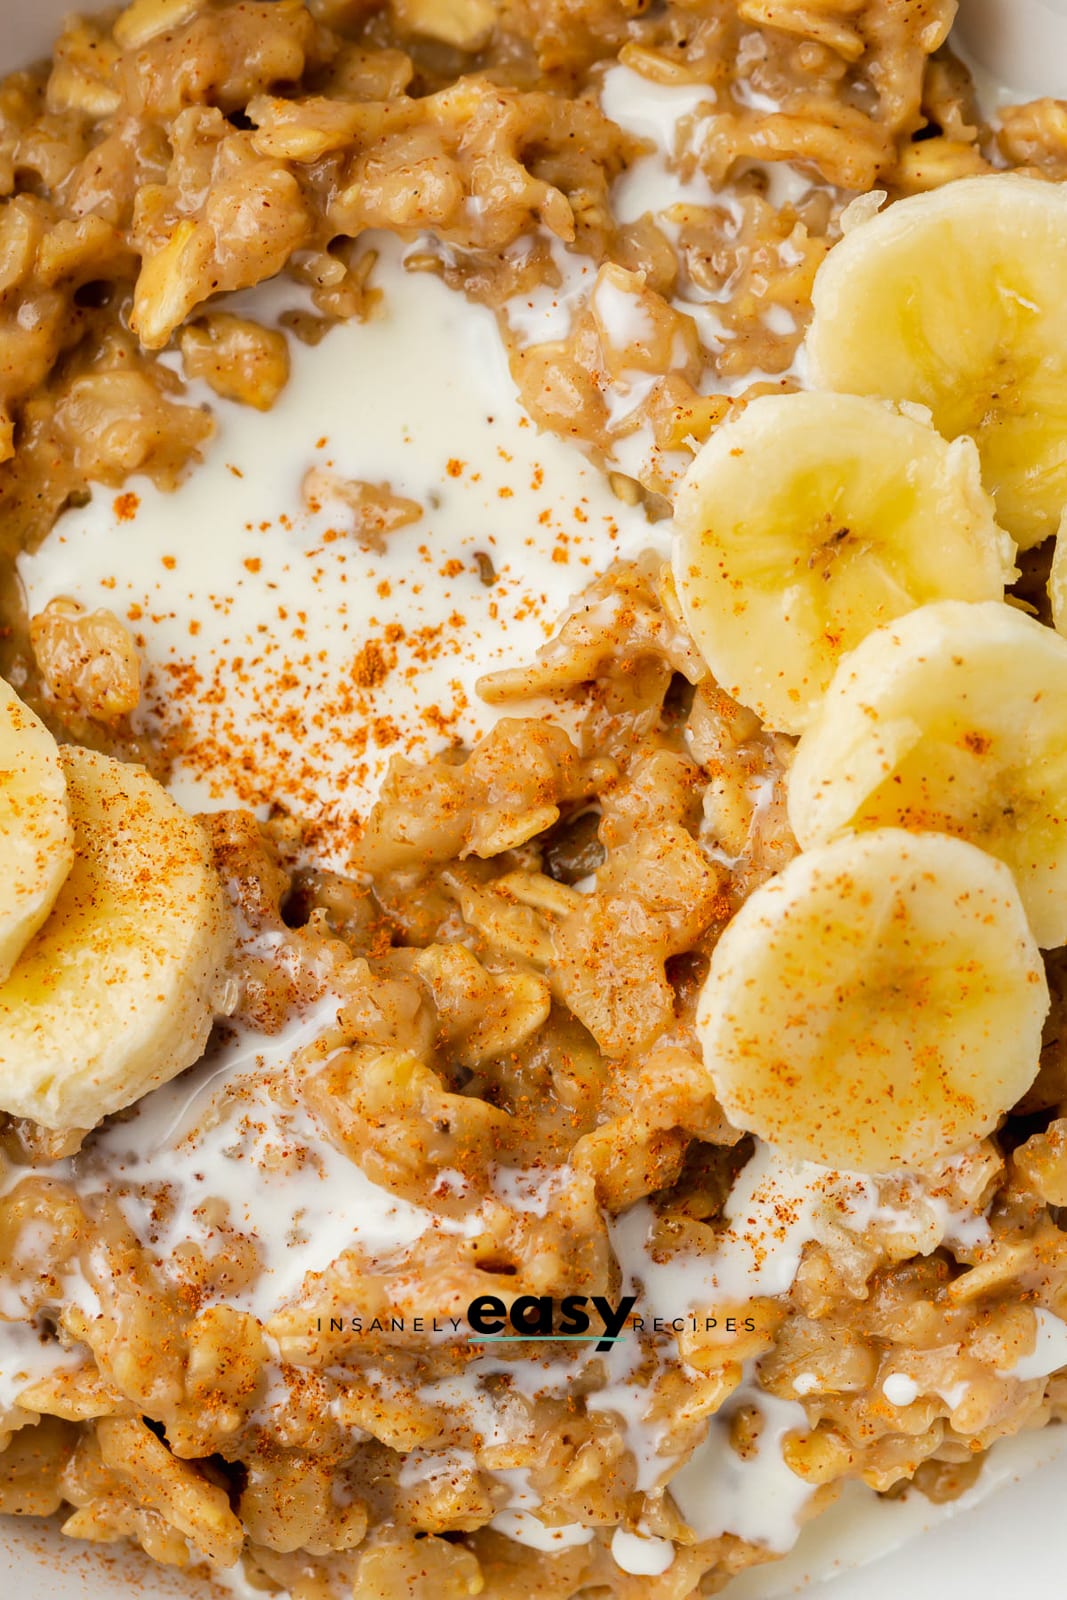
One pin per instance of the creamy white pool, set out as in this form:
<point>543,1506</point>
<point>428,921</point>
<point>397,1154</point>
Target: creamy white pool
<point>284,660</point>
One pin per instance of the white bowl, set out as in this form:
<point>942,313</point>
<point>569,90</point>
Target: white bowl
<point>1011,1541</point>
<point>1019,45</point>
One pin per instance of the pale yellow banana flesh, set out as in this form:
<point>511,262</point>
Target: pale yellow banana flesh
<point>957,299</point>
<point>811,520</point>
<point>1057,580</point>
<point>36,840</point>
<point>116,992</point>
<point>954,719</point>
<point>877,1005</point>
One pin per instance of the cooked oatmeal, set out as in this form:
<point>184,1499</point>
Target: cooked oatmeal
<point>460,985</point>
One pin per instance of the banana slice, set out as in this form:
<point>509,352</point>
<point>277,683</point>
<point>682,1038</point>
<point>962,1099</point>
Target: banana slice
<point>1057,579</point>
<point>952,720</point>
<point>811,520</point>
<point>35,832</point>
<point>958,299</point>
<point>879,1004</point>
<point>115,993</point>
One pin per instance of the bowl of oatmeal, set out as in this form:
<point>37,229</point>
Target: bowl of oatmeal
<point>532,952</point>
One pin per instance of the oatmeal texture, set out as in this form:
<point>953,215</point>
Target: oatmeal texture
<point>177,151</point>
<point>506,981</point>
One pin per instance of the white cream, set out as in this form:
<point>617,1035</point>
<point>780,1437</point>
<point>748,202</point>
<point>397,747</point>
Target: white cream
<point>498,1417</point>
<point>622,397</point>
<point>628,1400</point>
<point>780,320</point>
<point>640,1554</point>
<point>754,99</point>
<point>623,316</point>
<point>669,116</point>
<point>921,1206</point>
<point>1049,1353</point>
<point>216,1133</point>
<point>26,1358</point>
<point>546,312</point>
<point>900,1390</point>
<point>531,1189</point>
<point>253,611</point>
<point>771,1214</point>
<point>757,1496</point>
<point>773,1210</point>
<point>954,1394</point>
<point>19,1303</point>
<point>786,183</point>
<point>652,110</point>
<point>435,1467</point>
<point>525,1528</point>
<point>655,111</point>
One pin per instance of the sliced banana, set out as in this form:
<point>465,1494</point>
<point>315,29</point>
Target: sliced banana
<point>811,520</point>
<point>115,993</point>
<point>952,720</point>
<point>958,299</point>
<point>35,832</point>
<point>877,1005</point>
<point>1057,579</point>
